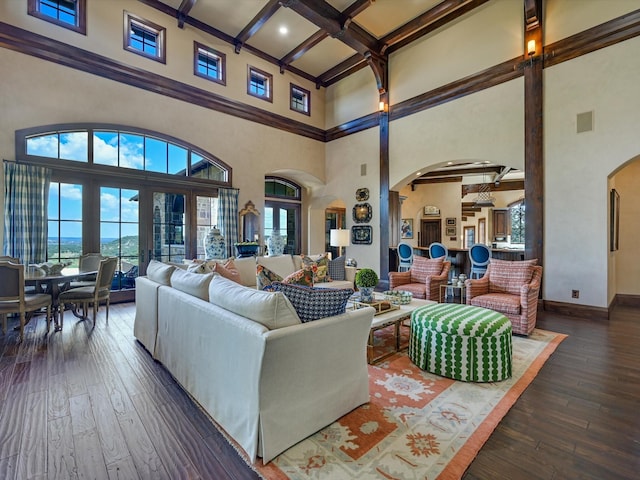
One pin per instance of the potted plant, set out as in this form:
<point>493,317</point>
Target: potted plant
<point>366,281</point>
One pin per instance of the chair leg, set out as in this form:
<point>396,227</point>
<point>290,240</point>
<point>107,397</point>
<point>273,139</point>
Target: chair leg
<point>61,316</point>
<point>95,313</point>
<point>22,322</point>
<point>107,310</point>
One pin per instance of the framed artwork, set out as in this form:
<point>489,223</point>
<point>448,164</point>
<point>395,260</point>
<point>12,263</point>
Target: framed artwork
<point>362,213</point>
<point>451,222</point>
<point>614,220</point>
<point>361,235</point>
<point>450,232</point>
<point>406,228</point>
<point>431,210</point>
<point>362,194</point>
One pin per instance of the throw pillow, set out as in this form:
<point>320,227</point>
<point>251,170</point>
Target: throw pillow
<point>320,267</point>
<point>265,277</point>
<point>192,283</point>
<point>314,303</point>
<point>336,268</point>
<point>198,268</point>
<point>304,277</point>
<point>160,272</point>
<point>424,267</point>
<point>228,270</point>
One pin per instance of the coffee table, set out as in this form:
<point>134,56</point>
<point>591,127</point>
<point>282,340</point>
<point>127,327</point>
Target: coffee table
<point>395,318</point>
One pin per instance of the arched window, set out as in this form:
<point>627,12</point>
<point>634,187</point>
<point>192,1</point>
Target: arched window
<point>282,205</point>
<point>121,147</point>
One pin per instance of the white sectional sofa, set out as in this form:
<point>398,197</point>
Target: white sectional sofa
<point>266,378</point>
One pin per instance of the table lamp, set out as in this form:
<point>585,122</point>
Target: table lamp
<point>339,238</point>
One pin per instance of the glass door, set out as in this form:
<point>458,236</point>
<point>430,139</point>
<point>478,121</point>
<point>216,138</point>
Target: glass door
<point>168,225</point>
<point>120,233</point>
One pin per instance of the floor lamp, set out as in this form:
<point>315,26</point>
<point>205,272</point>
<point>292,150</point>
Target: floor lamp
<point>339,238</point>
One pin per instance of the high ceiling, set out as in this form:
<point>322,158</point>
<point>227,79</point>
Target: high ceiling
<point>324,40</point>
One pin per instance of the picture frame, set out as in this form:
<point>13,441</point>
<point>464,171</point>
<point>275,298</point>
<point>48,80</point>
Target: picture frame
<point>614,220</point>
<point>450,231</point>
<point>406,228</point>
<point>361,234</point>
<point>431,210</point>
<point>362,213</point>
<point>450,222</point>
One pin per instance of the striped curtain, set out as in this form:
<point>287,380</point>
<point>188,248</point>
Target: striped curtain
<point>228,217</point>
<point>26,195</point>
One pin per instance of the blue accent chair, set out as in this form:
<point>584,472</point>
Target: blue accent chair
<point>405,256</point>
<point>438,250</point>
<point>480,256</point>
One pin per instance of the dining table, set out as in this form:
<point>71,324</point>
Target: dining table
<point>54,285</point>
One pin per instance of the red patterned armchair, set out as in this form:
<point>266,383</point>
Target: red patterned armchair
<point>510,288</point>
<point>423,279</point>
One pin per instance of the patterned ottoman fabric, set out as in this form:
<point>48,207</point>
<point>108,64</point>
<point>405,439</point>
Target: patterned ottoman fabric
<point>462,342</point>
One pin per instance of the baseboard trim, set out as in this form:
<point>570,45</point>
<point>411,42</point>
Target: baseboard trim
<point>625,300</point>
<point>575,310</point>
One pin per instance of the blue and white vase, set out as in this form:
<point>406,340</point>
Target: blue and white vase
<point>276,244</point>
<point>214,245</point>
<point>366,294</point>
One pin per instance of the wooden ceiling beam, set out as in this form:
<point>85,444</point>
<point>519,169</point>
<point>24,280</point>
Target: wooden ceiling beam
<point>328,18</point>
<point>304,47</point>
<point>426,181</point>
<point>462,171</point>
<point>503,187</point>
<point>256,23</point>
<point>183,11</point>
<point>389,46</point>
<point>532,9</point>
<point>350,62</point>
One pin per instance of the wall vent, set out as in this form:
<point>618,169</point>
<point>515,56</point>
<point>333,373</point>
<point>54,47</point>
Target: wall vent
<point>363,170</point>
<point>584,122</point>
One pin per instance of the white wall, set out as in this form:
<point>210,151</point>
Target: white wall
<point>577,166</point>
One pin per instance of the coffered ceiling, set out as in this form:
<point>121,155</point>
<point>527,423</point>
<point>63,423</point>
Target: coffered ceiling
<point>324,40</point>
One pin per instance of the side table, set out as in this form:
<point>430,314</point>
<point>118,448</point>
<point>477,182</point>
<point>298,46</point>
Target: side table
<point>443,292</point>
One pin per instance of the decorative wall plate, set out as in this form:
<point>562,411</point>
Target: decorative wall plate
<point>361,234</point>
<point>362,213</point>
<point>362,194</point>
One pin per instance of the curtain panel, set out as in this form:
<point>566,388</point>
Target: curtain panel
<point>228,217</point>
<point>26,195</point>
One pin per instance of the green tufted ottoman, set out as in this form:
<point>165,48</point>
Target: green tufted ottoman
<point>462,342</point>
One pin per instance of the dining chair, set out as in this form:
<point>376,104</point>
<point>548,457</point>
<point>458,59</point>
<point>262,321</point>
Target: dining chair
<point>88,262</point>
<point>480,256</point>
<point>437,249</point>
<point>13,298</point>
<point>91,295</point>
<point>405,256</point>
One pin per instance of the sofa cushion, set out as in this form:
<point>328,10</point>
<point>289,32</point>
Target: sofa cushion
<point>272,310</point>
<point>508,276</point>
<point>336,268</point>
<point>424,267</point>
<point>501,302</point>
<point>314,303</point>
<point>195,284</point>
<point>228,270</point>
<point>319,265</point>
<point>160,272</point>
<point>303,277</point>
<point>281,265</point>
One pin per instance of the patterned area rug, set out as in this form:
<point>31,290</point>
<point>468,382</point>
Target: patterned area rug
<point>416,426</point>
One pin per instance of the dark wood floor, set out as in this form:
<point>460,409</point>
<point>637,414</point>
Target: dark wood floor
<point>93,404</point>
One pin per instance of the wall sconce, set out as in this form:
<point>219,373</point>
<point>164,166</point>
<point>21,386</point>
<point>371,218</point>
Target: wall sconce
<point>531,47</point>
<point>383,107</point>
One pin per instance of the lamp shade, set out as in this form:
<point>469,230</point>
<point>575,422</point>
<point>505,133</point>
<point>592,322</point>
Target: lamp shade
<point>339,237</point>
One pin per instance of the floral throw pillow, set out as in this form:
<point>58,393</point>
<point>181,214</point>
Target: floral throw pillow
<point>304,277</point>
<point>265,277</point>
<point>320,267</point>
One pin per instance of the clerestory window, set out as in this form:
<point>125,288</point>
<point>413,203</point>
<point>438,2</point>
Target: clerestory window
<point>259,84</point>
<point>144,37</point>
<point>300,100</point>
<point>71,14</point>
<point>209,63</point>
